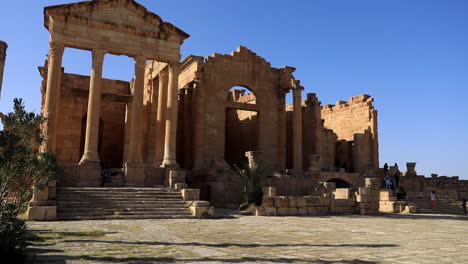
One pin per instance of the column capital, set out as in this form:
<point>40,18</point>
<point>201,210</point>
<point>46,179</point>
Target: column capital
<point>56,48</point>
<point>163,75</point>
<point>297,91</point>
<point>140,61</point>
<point>173,65</point>
<point>98,55</point>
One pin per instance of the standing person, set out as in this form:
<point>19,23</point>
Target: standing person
<point>433,199</point>
<point>396,176</point>
<point>388,182</point>
<point>385,168</point>
<point>464,205</point>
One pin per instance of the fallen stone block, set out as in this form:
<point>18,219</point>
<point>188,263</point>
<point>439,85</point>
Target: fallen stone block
<point>312,210</point>
<point>312,201</point>
<point>344,202</point>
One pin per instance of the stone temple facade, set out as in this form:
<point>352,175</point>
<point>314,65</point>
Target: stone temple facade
<point>199,115</point>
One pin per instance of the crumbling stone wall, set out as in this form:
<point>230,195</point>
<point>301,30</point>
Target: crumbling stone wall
<point>354,121</point>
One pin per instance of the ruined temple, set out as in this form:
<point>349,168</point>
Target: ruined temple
<point>193,117</point>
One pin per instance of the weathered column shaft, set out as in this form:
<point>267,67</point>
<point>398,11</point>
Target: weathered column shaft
<point>50,109</point>
<point>137,103</point>
<point>297,129</point>
<point>161,118</point>
<point>3,48</point>
<point>94,108</point>
<point>171,120</point>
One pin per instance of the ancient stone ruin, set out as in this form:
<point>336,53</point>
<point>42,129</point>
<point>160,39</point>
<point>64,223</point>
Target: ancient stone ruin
<point>183,124</point>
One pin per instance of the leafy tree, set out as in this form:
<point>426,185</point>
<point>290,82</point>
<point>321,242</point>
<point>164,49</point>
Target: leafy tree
<point>252,178</point>
<point>23,169</point>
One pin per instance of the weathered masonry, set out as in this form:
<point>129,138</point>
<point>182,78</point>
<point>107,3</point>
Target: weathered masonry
<point>196,117</point>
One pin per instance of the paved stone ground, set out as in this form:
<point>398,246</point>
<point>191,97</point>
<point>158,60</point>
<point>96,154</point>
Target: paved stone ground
<point>249,239</point>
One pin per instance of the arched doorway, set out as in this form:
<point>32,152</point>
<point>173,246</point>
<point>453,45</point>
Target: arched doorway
<point>340,183</point>
<point>241,125</point>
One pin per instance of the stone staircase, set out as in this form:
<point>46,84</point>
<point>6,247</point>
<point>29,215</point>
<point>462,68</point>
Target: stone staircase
<point>118,178</point>
<point>445,204</point>
<point>83,203</point>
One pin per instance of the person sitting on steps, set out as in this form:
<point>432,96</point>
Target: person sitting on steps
<point>106,174</point>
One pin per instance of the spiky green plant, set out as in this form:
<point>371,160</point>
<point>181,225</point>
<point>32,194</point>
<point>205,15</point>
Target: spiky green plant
<point>252,178</point>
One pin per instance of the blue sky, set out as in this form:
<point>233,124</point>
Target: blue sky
<point>411,56</point>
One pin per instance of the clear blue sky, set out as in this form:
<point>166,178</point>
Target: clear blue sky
<point>411,56</point>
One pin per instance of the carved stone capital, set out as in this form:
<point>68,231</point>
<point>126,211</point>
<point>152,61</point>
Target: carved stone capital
<point>56,48</point>
<point>140,61</point>
<point>98,56</point>
<point>163,75</point>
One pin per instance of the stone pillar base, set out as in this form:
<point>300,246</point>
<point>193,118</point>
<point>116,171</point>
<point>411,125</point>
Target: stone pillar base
<point>135,174</point>
<point>90,174</point>
<point>42,213</point>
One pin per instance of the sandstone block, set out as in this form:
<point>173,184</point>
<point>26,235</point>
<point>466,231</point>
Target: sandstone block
<point>270,211</point>
<point>180,186</point>
<point>312,201</point>
<point>190,194</point>
<point>324,201</point>
<point>302,211</point>
<point>282,211</point>
<point>372,182</point>
<point>200,212</point>
<point>176,177</point>
<point>269,191</point>
<point>259,211</point>
<point>301,201</point>
<point>344,202</point>
<point>384,193</point>
<point>343,193</point>
<point>277,200</point>
<point>323,210</point>
<point>268,201</point>
<point>284,201</point>
<point>344,210</point>
<point>374,206</point>
<point>292,201</point>
<point>292,211</point>
<point>365,191</point>
<point>200,203</point>
<point>42,213</point>
<point>211,211</point>
<point>312,210</point>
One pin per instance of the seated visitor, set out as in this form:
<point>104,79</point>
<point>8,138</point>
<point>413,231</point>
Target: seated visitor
<point>106,174</point>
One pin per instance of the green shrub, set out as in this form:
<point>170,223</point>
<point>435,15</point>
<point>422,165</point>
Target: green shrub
<point>252,178</point>
<point>12,234</point>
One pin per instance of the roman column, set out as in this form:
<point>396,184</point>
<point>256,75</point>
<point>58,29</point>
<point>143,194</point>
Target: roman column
<point>3,48</point>
<point>297,128</point>
<point>54,72</point>
<point>171,118</point>
<point>137,104</point>
<point>161,118</point>
<point>94,108</point>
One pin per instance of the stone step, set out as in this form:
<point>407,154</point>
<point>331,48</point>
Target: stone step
<point>119,189</point>
<point>121,209</point>
<point>104,213</point>
<point>111,217</point>
<point>75,203</point>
